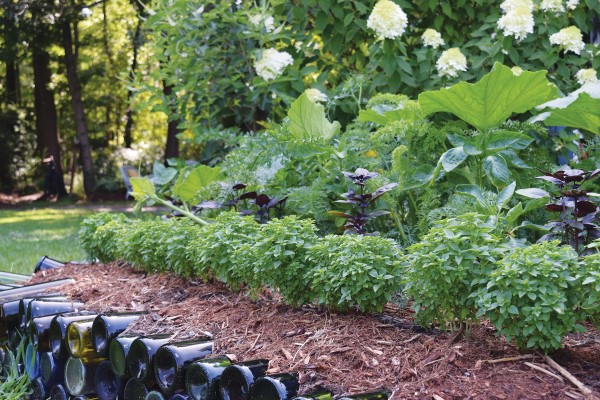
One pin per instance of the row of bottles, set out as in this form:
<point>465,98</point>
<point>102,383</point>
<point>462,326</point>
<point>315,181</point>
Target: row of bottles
<point>73,353</point>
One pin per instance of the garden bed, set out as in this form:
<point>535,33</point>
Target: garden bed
<point>346,353</point>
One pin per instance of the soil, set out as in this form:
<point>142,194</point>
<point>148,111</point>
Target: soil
<point>345,353</point>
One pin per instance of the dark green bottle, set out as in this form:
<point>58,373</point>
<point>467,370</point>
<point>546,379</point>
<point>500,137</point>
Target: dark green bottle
<point>237,379</point>
<point>117,354</point>
<point>317,395</point>
<point>58,392</point>
<point>141,354</point>
<point>51,369</point>
<point>9,312</point>
<point>171,361</point>
<point>275,387</point>
<point>108,385</point>
<point>58,331</point>
<point>135,390</point>
<point>381,395</point>
<point>39,332</point>
<point>79,376</point>
<point>109,326</point>
<point>42,307</point>
<point>79,340</point>
<point>202,378</point>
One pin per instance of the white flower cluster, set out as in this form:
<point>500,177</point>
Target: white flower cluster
<point>86,12</point>
<point>552,5</point>
<point>510,5</point>
<point>518,21</point>
<point>450,62</point>
<point>572,4</point>
<point>316,96</point>
<point>516,70</point>
<point>260,20</point>
<point>586,76</point>
<point>570,39</point>
<point>272,63</point>
<point>432,38</point>
<point>387,19</point>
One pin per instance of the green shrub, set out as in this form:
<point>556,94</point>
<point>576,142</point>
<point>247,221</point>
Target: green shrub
<point>354,270</point>
<point>533,296</point>
<point>281,257</point>
<point>590,289</point>
<point>223,250</point>
<point>179,233</point>
<point>448,265</point>
<point>98,235</point>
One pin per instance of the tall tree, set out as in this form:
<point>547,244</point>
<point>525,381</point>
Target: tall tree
<point>172,146</point>
<point>85,150</point>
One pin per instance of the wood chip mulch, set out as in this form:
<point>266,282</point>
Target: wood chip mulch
<point>346,353</point>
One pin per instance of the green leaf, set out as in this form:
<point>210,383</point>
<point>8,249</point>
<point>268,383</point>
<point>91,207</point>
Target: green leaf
<point>508,139</point>
<point>308,121</point>
<point>162,175</point>
<point>533,193</point>
<point>492,100</point>
<point>505,195</point>
<point>496,170</point>
<point>514,213</point>
<point>372,116</point>
<point>583,113</point>
<point>198,178</point>
<point>471,190</point>
<point>142,188</point>
<point>453,158</point>
<point>513,309</point>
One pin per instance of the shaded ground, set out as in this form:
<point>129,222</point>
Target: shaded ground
<point>344,353</point>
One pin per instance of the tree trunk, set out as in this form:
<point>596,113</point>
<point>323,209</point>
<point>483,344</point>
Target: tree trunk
<point>136,41</point>
<point>85,150</point>
<point>45,116</point>
<point>8,120</point>
<point>172,147</point>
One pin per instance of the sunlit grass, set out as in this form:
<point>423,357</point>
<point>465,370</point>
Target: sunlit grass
<point>26,235</point>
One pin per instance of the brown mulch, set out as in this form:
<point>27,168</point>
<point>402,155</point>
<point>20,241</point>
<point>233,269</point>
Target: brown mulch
<point>346,353</point>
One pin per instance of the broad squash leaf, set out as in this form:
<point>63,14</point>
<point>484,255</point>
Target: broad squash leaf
<point>408,111</point>
<point>308,121</point>
<point>162,175</point>
<point>491,101</point>
<point>199,177</point>
<point>142,188</point>
<point>583,113</point>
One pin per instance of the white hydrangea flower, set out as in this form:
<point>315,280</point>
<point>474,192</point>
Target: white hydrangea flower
<point>315,95</point>
<point>432,38</point>
<point>387,19</point>
<point>86,12</point>
<point>517,70</point>
<point>570,39</point>
<point>450,62</point>
<point>510,5</point>
<point>572,4</point>
<point>255,20</point>
<point>518,22</point>
<point>552,5</point>
<point>272,63</point>
<point>586,76</point>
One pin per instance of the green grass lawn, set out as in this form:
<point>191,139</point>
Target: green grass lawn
<point>28,234</point>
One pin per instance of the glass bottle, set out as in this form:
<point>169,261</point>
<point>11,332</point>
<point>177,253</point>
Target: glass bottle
<point>79,340</point>
<point>109,326</point>
<point>32,361</point>
<point>38,390</point>
<point>171,361</point>
<point>9,311</point>
<point>39,332</point>
<point>237,379</point>
<point>37,289</point>
<point>41,307</point>
<point>275,387</point>
<point>58,331</point>
<point>117,354</point>
<point>51,369</point>
<point>58,392</point>
<point>79,376</point>
<point>108,385</point>
<point>141,354</point>
<point>202,378</point>
<point>380,395</point>
<point>155,395</point>
<point>179,396</point>
<point>135,390</point>
<point>316,395</point>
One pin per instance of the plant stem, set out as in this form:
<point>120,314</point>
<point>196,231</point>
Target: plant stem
<point>179,209</point>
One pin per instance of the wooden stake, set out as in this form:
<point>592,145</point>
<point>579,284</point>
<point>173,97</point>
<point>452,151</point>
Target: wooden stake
<point>544,370</point>
<point>587,392</point>
<point>506,359</point>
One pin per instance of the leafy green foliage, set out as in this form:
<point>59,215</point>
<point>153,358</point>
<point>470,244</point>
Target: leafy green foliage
<point>579,109</point>
<point>280,257</point>
<point>97,235</point>
<point>308,121</point>
<point>354,270</point>
<point>14,385</point>
<point>443,270</point>
<point>532,297</point>
<point>590,286</point>
<point>495,97</point>
<point>190,182</point>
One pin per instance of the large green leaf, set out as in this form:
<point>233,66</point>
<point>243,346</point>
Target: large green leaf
<point>199,177</point>
<point>308,121</point>
<point>162,175</point>
<point>489,102</point>
<point>583,113</point>
<point>453,158</point>
<point>496,170</point>
<point>142,188</point>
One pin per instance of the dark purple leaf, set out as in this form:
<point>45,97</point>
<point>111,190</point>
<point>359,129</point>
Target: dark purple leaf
<point>550,179</point>
<point>239,186</point>
<point>340,214</point>
<point>262,200</point>
<point>586,207</point>
<point>248,195</point>
<point>594,173</point>
<point>589,218</point>
<point>533,193</point>
<point>246,212</point>
<point>347,201</point>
